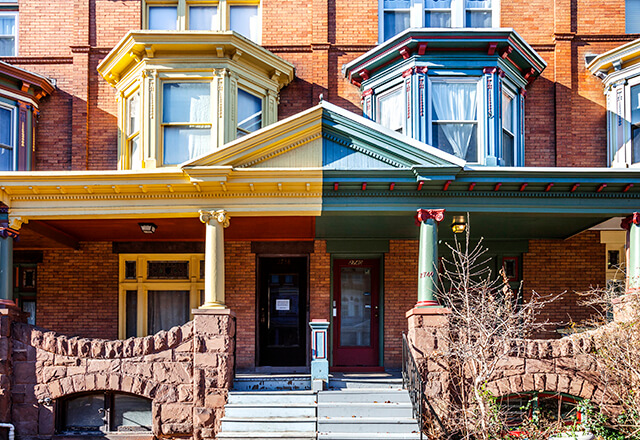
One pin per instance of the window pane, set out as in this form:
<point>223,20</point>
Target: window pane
<point>507,112</point>
<point>455,101</point>
<point>6,159</point>
<point>249,112</point>
<point>437,19</point>
<point>133,109</point>
<point>84,413</point>
<point>185,142</point>
<point>355,306</point>
<point>203,18</point>
<point>478,19</point>
<point>30,307</point>
<point>635,144</point>
<point>130,270</point>
<point>7,25</point>
<point>168,270</point>
<point>245,21</point>
<point>131,313</point>
<point>6,123</point>
<point>167,308</point>
<point>136,153</point>
<point>635,104</point>
<point>632,16</point>
<point>437,4</point>
<point>163,18</point>
<point>391,110</point>
<point>395,22</point>
<point>507,149</point>
<point>131,413</point>
<point>186,102</point>
<point>481,4</point>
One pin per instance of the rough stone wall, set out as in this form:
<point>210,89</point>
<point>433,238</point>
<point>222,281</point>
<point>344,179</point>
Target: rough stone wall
<point>185,371</point>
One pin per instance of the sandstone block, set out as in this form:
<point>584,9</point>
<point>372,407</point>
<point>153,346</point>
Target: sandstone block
<point>46,421</point>
<point>97,349</point>
<point>160,341</point>
<point>66,361</point>
<point>175,413</point>
<point>174,336</point>
<point>53,373</point>
<point>172,372</point>
<point>215,400</point>
<point>533,366</point>
<point>185,393</point>
<point>203,417</point>
<point>564,384</point>
<point>176,428</point>
<point>24,372</point>
<point>205,359</point>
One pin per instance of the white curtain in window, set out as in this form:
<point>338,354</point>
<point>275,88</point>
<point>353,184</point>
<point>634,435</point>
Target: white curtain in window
<point>163,18</point>
<point>391,110</point>
<point>203,18</point>
<point>167,308</point>
<point>245,21</point>
<point>7,36</point>
<point>456,102</point>
<point>438,4</point>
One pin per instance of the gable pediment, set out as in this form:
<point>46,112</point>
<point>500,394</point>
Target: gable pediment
<point>329,138</point>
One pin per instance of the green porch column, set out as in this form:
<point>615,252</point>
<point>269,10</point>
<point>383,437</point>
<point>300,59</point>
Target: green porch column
<point>6,266</point>
<point>428,220</point>
<point>631,224</point>
<point>215,222</point>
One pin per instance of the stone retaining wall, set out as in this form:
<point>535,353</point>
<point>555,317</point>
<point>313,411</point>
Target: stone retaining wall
<point>185,371</point>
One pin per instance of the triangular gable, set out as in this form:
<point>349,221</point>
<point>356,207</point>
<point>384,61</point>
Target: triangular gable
<point>329,138</point>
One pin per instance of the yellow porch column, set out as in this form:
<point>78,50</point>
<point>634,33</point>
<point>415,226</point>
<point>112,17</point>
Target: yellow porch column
<point>216,221</point>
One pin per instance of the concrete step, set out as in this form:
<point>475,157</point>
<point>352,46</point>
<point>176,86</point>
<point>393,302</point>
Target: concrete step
<point>285,435</point>
<point>368,436</point>
<point>270,410</point>
<point>360,409</point>
<point>339,381</point>
<point>268,424</point>
<point>367,425</point>
<point>364,396</point>
<point>272,397</point>
<point>279,382</point>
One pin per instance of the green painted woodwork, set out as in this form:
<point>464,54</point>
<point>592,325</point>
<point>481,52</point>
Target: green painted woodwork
<point>358,247</point>
<point>6,268</point>
<point>428,261</point>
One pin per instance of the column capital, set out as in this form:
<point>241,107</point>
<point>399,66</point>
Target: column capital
<point>426,214</point>
<point>628,221</point>
<point>221,216</point>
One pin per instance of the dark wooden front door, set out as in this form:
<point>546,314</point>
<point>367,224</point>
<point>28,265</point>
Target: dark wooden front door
<point>356,315</point>
<point>282,311</point>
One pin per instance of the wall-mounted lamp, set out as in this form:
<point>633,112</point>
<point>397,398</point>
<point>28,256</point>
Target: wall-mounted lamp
<point>459,224</point>
<point>148,228</point>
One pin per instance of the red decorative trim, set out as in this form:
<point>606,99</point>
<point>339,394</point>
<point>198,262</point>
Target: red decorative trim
<point>523,186</point>
<point>627,188</point>
<point>420,185</point>
<point>367,92</point>
<point>9,232</point>
<point>407,88</point>
<point>601,187</point>
<point>488,70</point>
<point>364,186</point>
<point>632,219</point>
<point>497,187</point>
<point>405,52</point>
<point>427,214</point>
<point>529,74</point>
<point>355,83</point>
<point>446,185</point>
<point>575,187</point>
<point>491,49</point>
<point>472,185</point>
<point>422,48</point>
<point>364,74</point>
<point>523,92</point>
<point>392,185</point>
<point>407,73</point>
<point>422,69</point>
<point>336,186</point>
<point>505,53</point>
<point>427,304</point>
<point>548,188</point>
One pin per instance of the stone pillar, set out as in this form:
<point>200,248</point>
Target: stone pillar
<point>216,221</point>
<point>428,220</point>
<point>319,359</point>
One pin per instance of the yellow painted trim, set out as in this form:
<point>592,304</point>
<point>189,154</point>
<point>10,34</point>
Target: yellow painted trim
<point>194,284</point>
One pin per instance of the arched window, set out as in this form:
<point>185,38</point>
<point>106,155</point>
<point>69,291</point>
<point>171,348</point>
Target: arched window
<point>104,412</point>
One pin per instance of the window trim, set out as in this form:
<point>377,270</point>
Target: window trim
<point>7,13</point>
<point>418,8</point>
<point>130,136</point>
<point>480,118</point>
<point>622,156</point>
<point>142,284</point>
<point>249,90</point>
<point>396,86</point>
<point>14,133</point>
<point>515,130</point>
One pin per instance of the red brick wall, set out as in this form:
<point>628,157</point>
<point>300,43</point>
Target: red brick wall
<point>240,296</point>
<point>400,295</point>
<point>320,281</point>
<point>556,266</point>
<point>78,291</point>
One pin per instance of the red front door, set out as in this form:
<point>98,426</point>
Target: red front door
<point>356,313</point>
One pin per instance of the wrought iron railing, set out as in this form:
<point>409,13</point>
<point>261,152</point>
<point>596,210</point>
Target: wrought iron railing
<point>412,382</point>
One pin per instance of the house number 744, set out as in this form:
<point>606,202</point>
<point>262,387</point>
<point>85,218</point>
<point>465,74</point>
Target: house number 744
<point>425,274</point>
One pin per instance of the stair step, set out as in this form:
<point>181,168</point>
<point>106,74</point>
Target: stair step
<point>268,424</point>
<point>272,397</point>
<point>287,435</point>
<point>361,395</point>
<point>270,410</point>
<point>365,409</point>
<point>272,383</point>
<point>367,424</point>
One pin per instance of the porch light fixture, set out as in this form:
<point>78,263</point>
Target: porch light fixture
<point>459,224</point>
<point>148,228</point>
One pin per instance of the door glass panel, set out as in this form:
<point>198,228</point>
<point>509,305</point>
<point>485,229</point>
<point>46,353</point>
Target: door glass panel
<point>355,306</point>
<point>283,322</point>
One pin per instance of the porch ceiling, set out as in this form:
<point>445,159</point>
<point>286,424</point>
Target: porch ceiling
<point>494,226</point>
